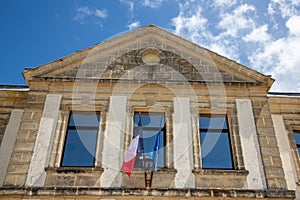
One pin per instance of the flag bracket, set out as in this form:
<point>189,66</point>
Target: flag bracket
<point>149,168</point>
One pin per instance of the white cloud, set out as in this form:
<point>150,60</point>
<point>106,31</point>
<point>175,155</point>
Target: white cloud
<point>237,20</point>
<point>224,3</point>
<point>280,58</point>
<point>101,13</point>
<point>293,24</point>
<point>192,24</point>
<point>286,8</point>
<point>234,23</point>
<point>240,32</point>
<point>82,13</point>
<point>259,34</point>
<point>152,3</point>
<point>134,25</point>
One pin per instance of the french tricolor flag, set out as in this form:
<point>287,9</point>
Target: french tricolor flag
<point>135,145</point>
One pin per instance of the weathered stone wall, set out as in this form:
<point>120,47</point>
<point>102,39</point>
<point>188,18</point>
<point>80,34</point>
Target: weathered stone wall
<point>22,153</point>
<point>286,109</point>
<point>9,100</point>
<point>141,194</point>
<point>289,109</point>
<point>151,97</point>
<point>268,143</point>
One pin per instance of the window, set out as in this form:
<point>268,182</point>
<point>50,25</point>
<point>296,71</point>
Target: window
<point>153,126</point>
<point>215,142</point>
<point>297,140</point>
<point>81,137</point>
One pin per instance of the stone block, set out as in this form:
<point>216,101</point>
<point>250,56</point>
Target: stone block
<point>225,181</point>
<point>32,115</point>
<point>270,150</point>
<point>60,180</point>
<point>274,172</point>
<point>276,161</point>
<point>21,179</point>
<point>23,146</point>
<point>17,168</point>
<point>267,160</point>
<point>29,125</point>
<point>10,180</point>
<point>160,180</point>
<point>35,106</point>
<point>36,98</point>
<point>87,180</point>
<point>21,157</point>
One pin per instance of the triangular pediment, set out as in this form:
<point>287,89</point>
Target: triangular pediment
<point>148,54</point>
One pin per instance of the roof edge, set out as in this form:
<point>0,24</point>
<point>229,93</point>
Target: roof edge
<point>284,94</point>
<point>13,87</point>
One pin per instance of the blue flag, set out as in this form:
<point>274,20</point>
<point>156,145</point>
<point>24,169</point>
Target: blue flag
<point>154,153</point>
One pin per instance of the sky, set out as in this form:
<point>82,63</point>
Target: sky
<point>260,34</point>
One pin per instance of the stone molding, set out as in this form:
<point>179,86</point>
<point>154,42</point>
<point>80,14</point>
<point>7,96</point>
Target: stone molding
<point>83,192</point>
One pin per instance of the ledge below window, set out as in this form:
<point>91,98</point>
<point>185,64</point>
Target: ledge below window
<point>227,179</point>
<point>220,172</point>
<point>159,170</point>
<point>74,170</point>
<point>134,193</point>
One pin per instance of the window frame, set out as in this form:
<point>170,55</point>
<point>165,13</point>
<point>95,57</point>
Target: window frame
<point>296,131</point>
<point>229,136</point>
<point>164,129</point>
<point>292,128</point>
<point>66,133</point>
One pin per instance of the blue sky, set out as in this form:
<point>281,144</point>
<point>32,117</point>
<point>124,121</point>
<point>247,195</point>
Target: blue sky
<point>263,35</point>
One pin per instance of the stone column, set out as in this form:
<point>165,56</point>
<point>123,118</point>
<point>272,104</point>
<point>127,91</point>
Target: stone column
<point>41,154</point>
<point>8,141</point>
<point>183,144</point>
<point>285,152</point>
<point>113,146</point>
<point>250,146</point>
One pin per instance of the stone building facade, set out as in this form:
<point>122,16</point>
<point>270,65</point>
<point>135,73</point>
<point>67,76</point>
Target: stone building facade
<point>148,72</point>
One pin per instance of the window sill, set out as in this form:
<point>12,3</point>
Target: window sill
<point>159,170</point>
<point>74,170</point>
<point>220,172</point>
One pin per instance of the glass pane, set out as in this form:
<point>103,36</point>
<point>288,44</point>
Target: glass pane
<point>150,119</point>
<point>84,119</point>
<point>80,148</point>
<point>149,141</point>
<point>152,124</point>
<point>297,137</point>
<point>213,122</point>
<point>149,147</point>
<point>298,151</point>
<point>215,149</point>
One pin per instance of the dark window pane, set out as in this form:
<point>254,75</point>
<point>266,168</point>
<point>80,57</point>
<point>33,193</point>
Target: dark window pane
<point>297,140</point>
<point>81,138</point>
<point>213,122</point>
<point>297,137</point>
<point>215,149</point>
<point>215,142</point>
<point>152,124</point>
<point>80,148</point>
<point>84,119</point>
<point>150,119</point>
